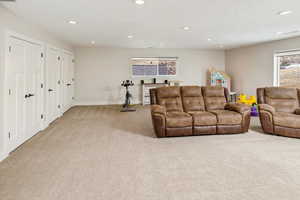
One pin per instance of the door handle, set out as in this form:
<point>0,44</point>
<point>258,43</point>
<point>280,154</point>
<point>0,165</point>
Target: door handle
<point>30,95</point>
<point>69,84</point>
<point>50,90</point>
<point>26,96</point>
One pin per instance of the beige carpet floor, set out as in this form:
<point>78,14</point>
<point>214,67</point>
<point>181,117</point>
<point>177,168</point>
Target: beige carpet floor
<point>98,153</point>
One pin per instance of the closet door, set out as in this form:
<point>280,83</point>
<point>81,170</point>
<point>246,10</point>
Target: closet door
<point>15,79</point>
<point>24,103</point>
<point>53,84</point>
<point>65,77</point>
<point>72,81</point>
<point>68,83</point>
<point>34,89</point>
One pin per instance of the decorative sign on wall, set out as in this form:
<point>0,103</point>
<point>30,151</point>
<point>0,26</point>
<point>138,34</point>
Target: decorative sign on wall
<point>159,66</point>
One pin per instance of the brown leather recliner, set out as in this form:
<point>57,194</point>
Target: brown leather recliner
<point>279,110</point>
<point>195,110</point>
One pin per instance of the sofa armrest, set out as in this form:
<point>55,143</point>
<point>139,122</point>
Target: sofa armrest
<point>267,108</point>
<point>266,113</point>
<point>159,120</point>
<point>159,124</point>
<point>237,107</point>
<point>158,109</point>
<point>297,111</point>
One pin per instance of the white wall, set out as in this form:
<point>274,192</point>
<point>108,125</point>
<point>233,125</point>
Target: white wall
<point>252,67</point>
<point>99,71</point>
<point>8,21</point>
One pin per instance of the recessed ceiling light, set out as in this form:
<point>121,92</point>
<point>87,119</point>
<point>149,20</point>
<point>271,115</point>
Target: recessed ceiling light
<point>279,33</point>
<point>72,22</point>
<point>186,28</point>
<point>93,42</point>
<point>139,2</point>
<point>130,36</point>
<point>285,12</point>
<point>209,39</point>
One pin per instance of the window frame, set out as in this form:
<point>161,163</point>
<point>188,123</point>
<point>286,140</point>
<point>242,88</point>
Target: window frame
<point>276,75</point>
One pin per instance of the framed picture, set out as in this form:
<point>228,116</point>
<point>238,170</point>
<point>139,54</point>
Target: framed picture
<point>155,66</point>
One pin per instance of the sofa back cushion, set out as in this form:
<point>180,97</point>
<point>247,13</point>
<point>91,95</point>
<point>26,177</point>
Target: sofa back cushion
<point>192,98</point>
<point>260,92</point>
<point>215,98</point>
<point>282,99</point>
<point>170,98</point>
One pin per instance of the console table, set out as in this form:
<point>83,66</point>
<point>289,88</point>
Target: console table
<point>146,91</point>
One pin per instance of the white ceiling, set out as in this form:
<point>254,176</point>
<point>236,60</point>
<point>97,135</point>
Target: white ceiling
<point>158,23</point>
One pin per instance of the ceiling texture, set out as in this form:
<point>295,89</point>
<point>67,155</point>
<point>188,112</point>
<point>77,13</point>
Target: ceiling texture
<point>159,23</point>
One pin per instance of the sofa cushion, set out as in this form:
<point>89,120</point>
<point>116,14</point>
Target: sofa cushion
<point>192,98</point>
<point>238,107</point>
<point>203,118</point>
<point>226,117</point>
<point>286,120</point>
<point>178,120</point>
<point>214,98</point>
<point>281,93</point>
<point>282,99</point>
<point>170,98</point>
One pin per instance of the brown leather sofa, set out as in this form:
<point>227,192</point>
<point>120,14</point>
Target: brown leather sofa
<point>195,110</point>
<point>279,110</point>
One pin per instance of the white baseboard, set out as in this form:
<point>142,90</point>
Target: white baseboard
<point>100,103</point>
<point>3,156</point>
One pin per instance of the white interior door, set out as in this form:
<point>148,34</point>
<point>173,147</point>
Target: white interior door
<point>65,72</point>
<point>25,95</point>
<point>16,94</point>
<point>72,81</point>
<point>68,80</point>
<point>53,84</point>
<point>34,91</point>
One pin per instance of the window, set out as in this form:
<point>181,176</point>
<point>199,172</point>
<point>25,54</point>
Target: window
<point>287,69</point>
<point>154,66</point>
